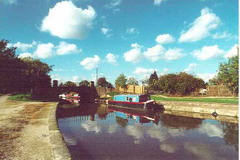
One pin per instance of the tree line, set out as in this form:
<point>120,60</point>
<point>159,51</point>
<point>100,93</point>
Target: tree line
<point>21,74</point>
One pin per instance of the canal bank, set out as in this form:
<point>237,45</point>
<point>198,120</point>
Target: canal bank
<point>28,130</point>
<point>221,109</point>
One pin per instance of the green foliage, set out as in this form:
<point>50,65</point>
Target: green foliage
<point>132,81</point>
<point>102,82</point>
<point>228,74</point>
<point>20,97</point>
<point>182,83</point>
<point>21,74</point>
<point>153,81</point>
<point>69,84</point>
<point>84,83</point>
<point>121,81</point>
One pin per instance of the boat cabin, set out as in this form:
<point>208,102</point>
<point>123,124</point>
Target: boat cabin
<point>132,98</point>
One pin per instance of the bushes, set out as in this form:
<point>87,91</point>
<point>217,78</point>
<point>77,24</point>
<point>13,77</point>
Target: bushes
<point>20,97</point>
<point>181,84</point>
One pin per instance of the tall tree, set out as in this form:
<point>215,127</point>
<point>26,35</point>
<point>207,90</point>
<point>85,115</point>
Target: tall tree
<point>132,81</point>
<point>70,84</point>
<point>152,82</point>
<point>102,82</point>
<point>228,73</point>
<point>121,81</point>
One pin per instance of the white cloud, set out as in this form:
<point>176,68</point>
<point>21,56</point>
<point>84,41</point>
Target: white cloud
<point>165,71</point>
<point>232,52</point>
<point>132,31</point>
<point>25,55</point>
<point>155,53</point>
<point>191,67</point>
<point>206,76</point>
<point>211,130</point>
<point>66,48</point>
<point>23,46</point>
<point>111,58</point>
<point>56,77</point>
<point>135,54</point>
<point>165,39</point>
<point>106,31</point>
<point>143,72</point>
<point>76,78</point>
<point>173,54</point>
<point>224,35</point>
<point>44,50</point>
<point>158,2</point>
<point>67,21</point>
<point>90,62</point>
<point>136,131</point>
<point>201,27</point>
<point>113,4</point>
<point>208,52</point>
<point>8,1</point>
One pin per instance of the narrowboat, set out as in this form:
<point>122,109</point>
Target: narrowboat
<point>133,101</point>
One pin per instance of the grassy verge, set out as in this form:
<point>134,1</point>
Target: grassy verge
<point>213,100</point>
<point>20,97</point>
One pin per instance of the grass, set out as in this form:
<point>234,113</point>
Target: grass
<point>20,97</point>
<point>195,99</point>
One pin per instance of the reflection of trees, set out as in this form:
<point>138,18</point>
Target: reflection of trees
<point>122,122</point>
<point>230,131</point>
<point>180,122</point>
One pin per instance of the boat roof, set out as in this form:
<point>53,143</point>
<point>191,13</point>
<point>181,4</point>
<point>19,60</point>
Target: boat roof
<point>130,95</point>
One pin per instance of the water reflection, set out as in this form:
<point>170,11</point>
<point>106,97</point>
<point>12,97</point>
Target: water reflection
<point>94,131</point>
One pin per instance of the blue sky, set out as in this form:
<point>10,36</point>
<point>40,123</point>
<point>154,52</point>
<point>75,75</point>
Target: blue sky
<point>133,37</point>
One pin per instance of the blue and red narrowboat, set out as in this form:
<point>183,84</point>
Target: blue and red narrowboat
<point>133,101</point>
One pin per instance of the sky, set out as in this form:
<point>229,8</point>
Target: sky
<point>133,37</point>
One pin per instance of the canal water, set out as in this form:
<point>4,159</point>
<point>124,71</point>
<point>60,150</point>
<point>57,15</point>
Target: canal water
<point>100,132</point>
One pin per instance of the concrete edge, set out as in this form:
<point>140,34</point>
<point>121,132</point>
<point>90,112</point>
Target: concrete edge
<point>58,145</point>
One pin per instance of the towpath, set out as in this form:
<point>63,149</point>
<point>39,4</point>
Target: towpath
<point>24,130</point>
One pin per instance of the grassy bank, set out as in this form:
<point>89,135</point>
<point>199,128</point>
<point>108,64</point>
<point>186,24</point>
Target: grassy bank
<point>20,97</point>
<point>195,99</point>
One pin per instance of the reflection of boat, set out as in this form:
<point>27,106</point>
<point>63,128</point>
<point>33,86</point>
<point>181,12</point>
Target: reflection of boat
<point>134,101</point>
<point>72,95</point>
<point>139,115</point>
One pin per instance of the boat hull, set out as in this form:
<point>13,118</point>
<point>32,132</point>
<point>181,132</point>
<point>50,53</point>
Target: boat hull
<point>145,105</point>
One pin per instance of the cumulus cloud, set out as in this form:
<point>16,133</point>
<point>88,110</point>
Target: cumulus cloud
<point>136,131</point>
<point>66,48</point>
<point>91,126</point>
<point>67,21</point>
<point>211,130</point>
<point>155,53</point>
<point>90,62</point>
<point>76,78</point>
<point>201,27</point>
<point>206,76</point>
<point>106,32</point>
<point>165,39</point>
<point>25,55</point>
<point>208,52</point>
<point>232,52</point>
<point>44,50</point>
<point>23,46</point>
<point>173,54</point>
<point>111,58</point>
<point>191,67</point>
<point>135,54</point>
<point>144,72</point>
<point>158,2</point>
<point>113,4</point>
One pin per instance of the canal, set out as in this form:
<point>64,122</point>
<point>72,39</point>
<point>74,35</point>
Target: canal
<point>100,132</point>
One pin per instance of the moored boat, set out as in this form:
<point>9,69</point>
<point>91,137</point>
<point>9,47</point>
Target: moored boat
<point>132,100</point>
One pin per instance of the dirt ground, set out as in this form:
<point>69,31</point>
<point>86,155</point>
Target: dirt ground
<point>24,132</point>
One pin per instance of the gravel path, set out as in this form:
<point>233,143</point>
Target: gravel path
<point>24,132</point>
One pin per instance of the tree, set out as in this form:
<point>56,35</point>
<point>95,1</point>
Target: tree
<point>70,84</point>
<point>102,82</point>
<point>132,81</point>
<point>152,82</point>
<point>182,83</point>
<point>84,83</point>
<point>228,74</point>
<point>121,81</point>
